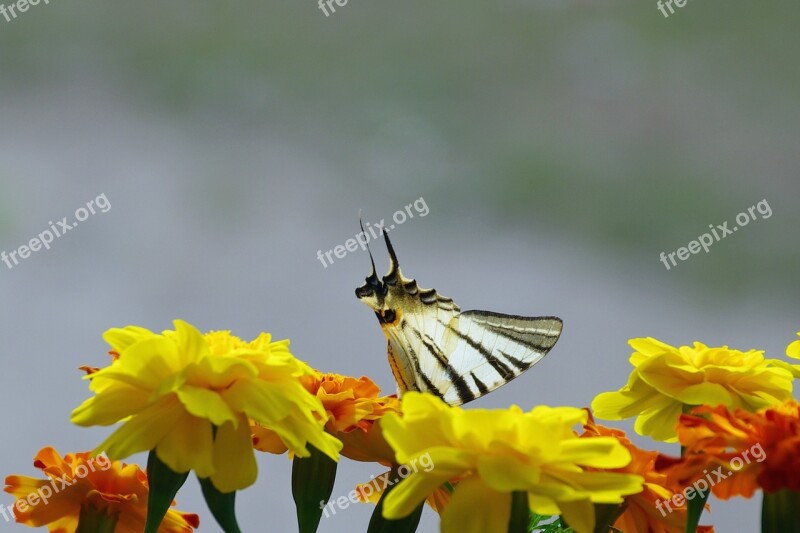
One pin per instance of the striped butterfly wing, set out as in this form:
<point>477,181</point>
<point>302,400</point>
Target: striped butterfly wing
<point>418,362</point>
<point>462,356</point>
<point>490,349</point>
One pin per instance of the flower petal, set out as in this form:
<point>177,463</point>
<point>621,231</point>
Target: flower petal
<point>233,457</point>
<point>189,448</point>
<point>475,508</point>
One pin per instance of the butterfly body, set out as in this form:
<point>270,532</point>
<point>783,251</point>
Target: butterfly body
<point>435,347</point>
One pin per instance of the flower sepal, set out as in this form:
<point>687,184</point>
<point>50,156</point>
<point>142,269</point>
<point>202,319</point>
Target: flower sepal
<point>221,505</point>
<point>312,484</point>
<point>164,485</point>
<point>695,508</point>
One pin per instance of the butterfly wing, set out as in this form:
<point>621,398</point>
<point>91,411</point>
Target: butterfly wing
<point>417,360</point>
<point>488,349</point>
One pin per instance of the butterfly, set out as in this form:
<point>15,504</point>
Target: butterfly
<point>435,347</point>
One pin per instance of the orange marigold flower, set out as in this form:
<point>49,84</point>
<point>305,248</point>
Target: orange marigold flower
<point>353,406</point>
<point>79,482</point>
<point>350,403</point>
<point>740,451</point>
<point>645,512</point>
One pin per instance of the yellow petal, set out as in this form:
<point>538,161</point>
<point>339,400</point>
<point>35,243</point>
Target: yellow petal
<point>649,346</point>
<point>268,402</point>
<point>659,423</point>
<point>121,338</point>
<point>669,374</point>
<point>600,487</point>
<point>543,505</point>
<point>191,344</point>
<point>188,446</point>
<point>506,473</point>
<point>113,405</point>
<point>707,394</point>
<point>793,350</point>
<point>218,372</point>
<point>793,369</point>
<point>638,396</point>
<point>406,496</point>
<point>205,403</point>
<point>597,452</point>
<point>145,364</point>
<point>579,514</point>
<point>145,430</point>
<point>234,460</point>
<point>475,508</point>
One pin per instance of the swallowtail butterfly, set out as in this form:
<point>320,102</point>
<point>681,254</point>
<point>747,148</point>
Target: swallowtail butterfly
<point>435,347</point>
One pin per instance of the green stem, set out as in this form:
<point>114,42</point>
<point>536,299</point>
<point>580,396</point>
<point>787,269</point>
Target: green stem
<point>780,512</point>
<point>520,513</point>
<point>695,506</point>
<point>685,410</point>
<point>605,514</point>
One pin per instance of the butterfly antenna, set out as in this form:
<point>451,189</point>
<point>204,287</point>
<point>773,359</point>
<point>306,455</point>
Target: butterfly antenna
<point>394,266</point>
<point>371,260</point>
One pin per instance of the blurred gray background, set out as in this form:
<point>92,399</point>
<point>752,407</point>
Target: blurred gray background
<point>560,147</point>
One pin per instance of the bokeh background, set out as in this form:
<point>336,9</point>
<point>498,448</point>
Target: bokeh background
<point>560,146</point>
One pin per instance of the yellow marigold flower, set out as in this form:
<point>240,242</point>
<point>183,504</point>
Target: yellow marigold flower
<point>80,481</point>
<point>353,409</point>
<point>190,397</point>
<point>644,511</point>
<point>497,452</point>
<point>665,379</point>
<point>740,452</point>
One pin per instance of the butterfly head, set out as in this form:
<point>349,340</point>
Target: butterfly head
<point>385,296</point>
